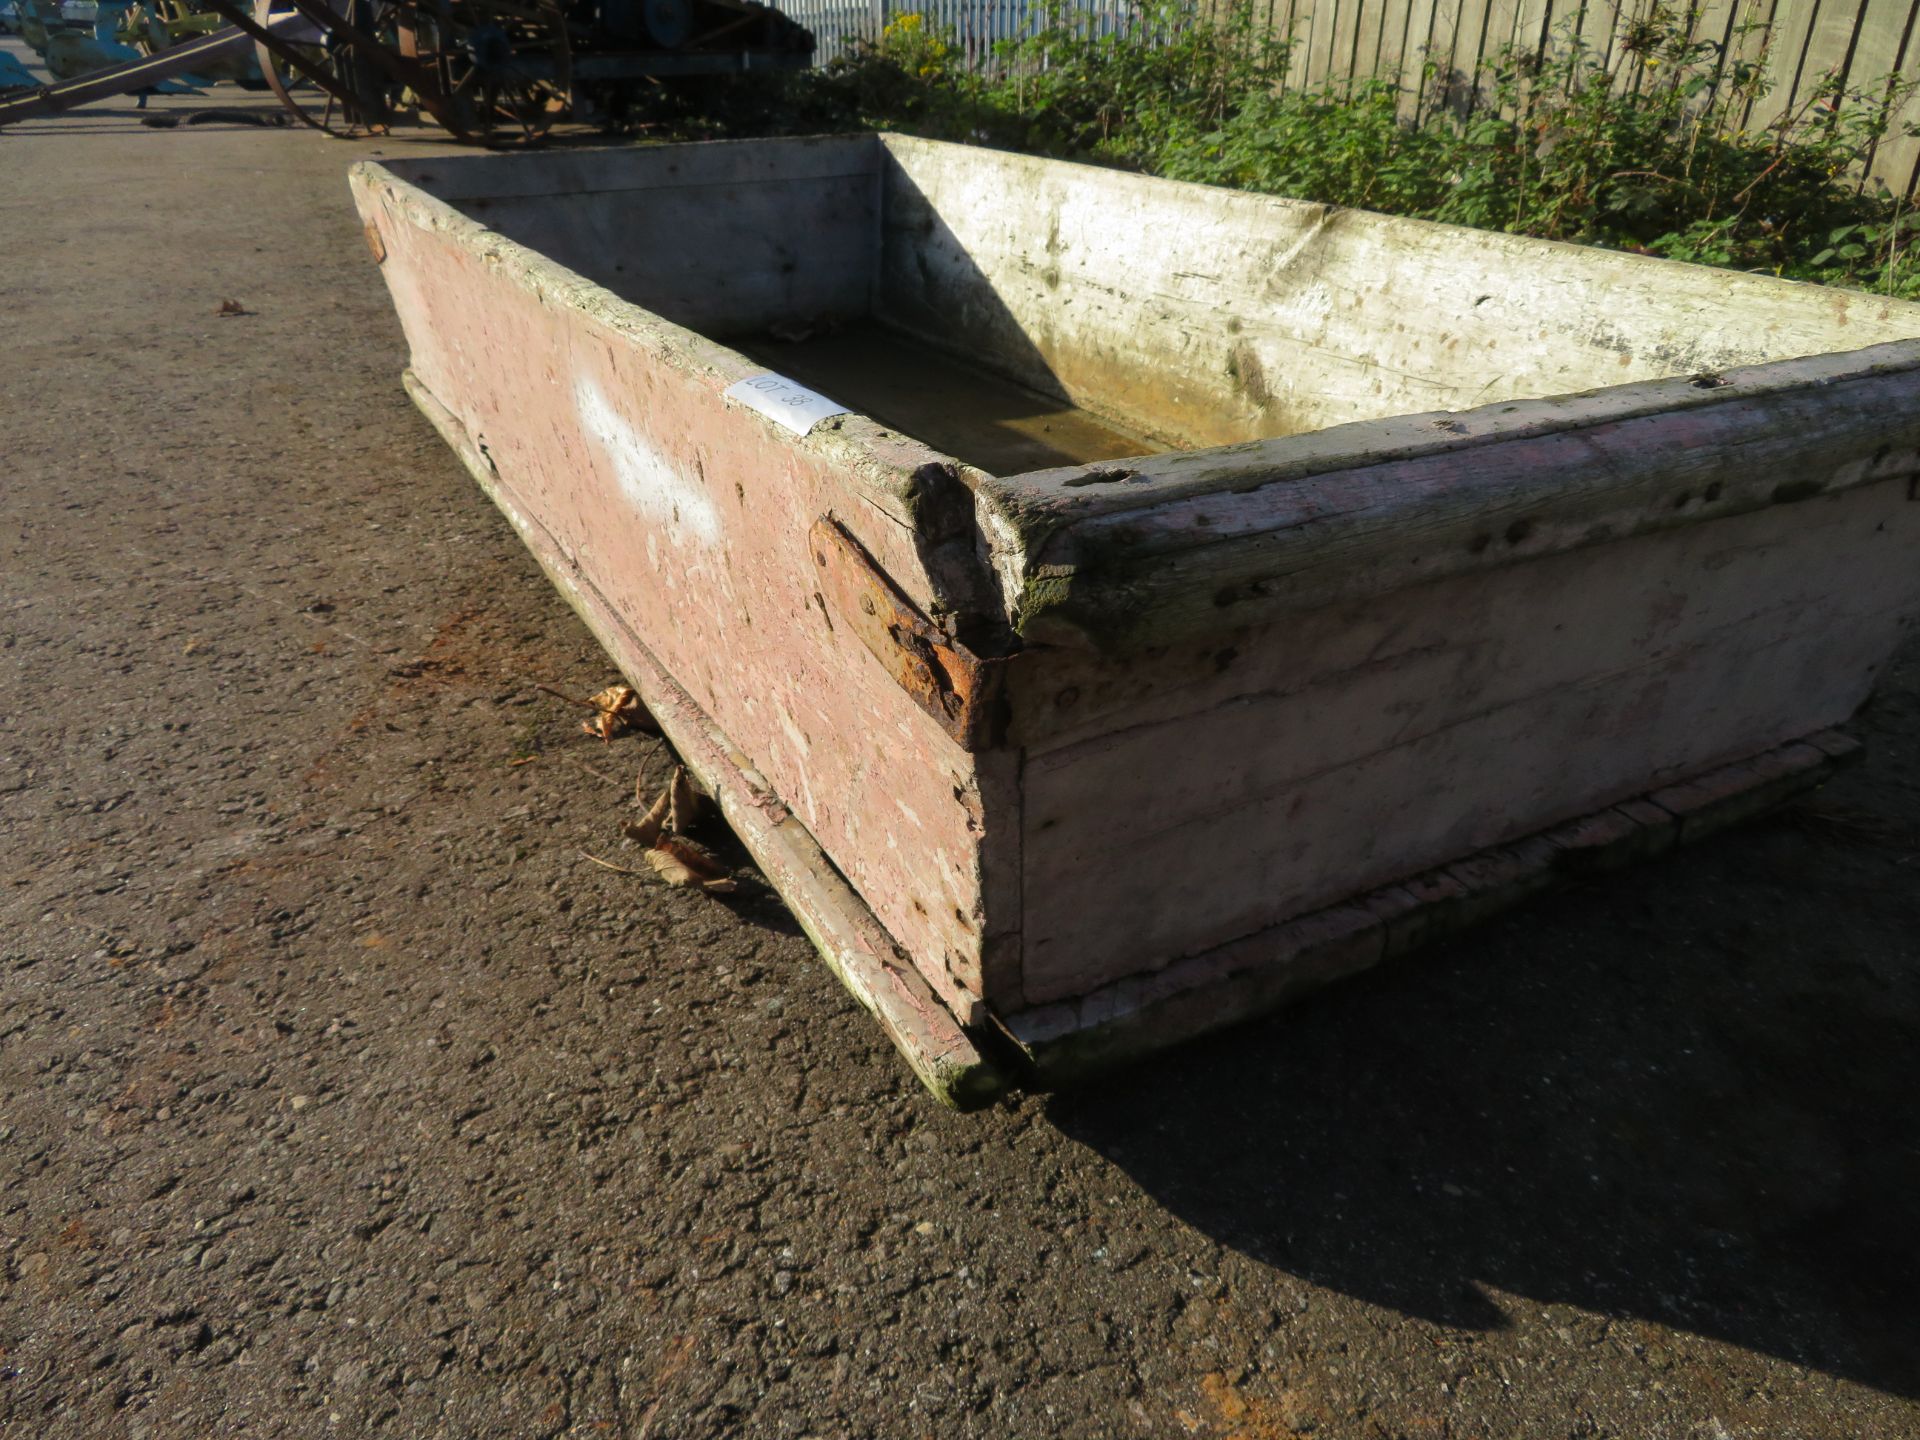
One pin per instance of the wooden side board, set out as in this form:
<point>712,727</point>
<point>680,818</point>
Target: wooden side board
<point>854,944</point>
<point>689,515</point>
<point>1211,316</point>
<point>1126,556</point>
<point>1066,1043</point>
<point>723,238</point>
<point>1270,772</point>
<point>562,174</point>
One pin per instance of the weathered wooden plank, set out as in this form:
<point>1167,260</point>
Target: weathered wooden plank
<point>1837,746</point>
<point>736,237</point>
<point>1714,22</point>
<point>1753,45</point>
<point>607,426</point>
<point>1474,43</point>
<point>1595,23</point>
<point>1256,537</point>
<point>1043,273</point>
<point>1533,26</point>
<point>1079,696</point>
<point>1368,33</point>
<point>1321,19</point>
<point>1287,27</point>
<point>1491,702</point>
<point>1449,44</point>
<point>1884,51</point>
<point>1068,1042</point>
<point>1833,44</point>
<point>573,173</point>
<point>1738,792</point>
<point>852,942</point>
<point>1342,66</point>
<point>1794,67</point>
<point>1612,839</point>
<point>1415,41</point>
<point>719,261</point>
<point>1392,56</point>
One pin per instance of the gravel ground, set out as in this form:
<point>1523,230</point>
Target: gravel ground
<point>339,1095</point>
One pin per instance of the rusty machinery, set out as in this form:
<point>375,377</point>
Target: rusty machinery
<point>494,72</point>
<point>503,71</point>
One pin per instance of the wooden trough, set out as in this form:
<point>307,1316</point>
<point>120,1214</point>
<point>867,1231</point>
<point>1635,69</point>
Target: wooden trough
<point>1184,596</point>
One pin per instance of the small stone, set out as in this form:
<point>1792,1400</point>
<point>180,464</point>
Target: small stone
<point>927,1228</point>
<point>782,1282</point>
<point>300,1102</point>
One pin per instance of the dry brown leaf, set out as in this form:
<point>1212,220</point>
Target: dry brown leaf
<point>619,710</point>
<point>674,858</point>
<point>680,861</point>
<point>232,307</point>
<point>648,829</point>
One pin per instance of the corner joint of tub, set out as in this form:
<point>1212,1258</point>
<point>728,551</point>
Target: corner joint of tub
<point>959,688</point>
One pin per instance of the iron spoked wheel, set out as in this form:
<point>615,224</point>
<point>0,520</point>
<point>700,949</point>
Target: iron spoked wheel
<point>504,67</point>
<point>364,105</point>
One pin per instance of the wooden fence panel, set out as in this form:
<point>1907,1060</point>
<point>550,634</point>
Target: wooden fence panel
<point>1592,25</point>
<point>1440,29</point>
<point>1869,42</point>
<point>1413,55</point>
<point>1326,15</point>
<point>1366,38</point>
<point>1890,46</point>
<point>1795,70</point>
<point>1715,21</point>
<point>1398,58</point>
<point>1533,21</point>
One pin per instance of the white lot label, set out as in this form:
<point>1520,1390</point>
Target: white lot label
<point>778,398</point>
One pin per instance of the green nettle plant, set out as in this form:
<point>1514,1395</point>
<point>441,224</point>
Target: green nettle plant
<point>1646,150</point>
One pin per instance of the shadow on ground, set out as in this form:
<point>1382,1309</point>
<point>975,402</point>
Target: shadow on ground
<point>1684,1094</point>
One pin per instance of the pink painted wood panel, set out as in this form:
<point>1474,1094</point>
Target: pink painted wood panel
<point>688,515</point>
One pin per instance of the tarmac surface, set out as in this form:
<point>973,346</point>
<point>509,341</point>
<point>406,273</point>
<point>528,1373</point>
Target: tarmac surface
<point>339,1095</point>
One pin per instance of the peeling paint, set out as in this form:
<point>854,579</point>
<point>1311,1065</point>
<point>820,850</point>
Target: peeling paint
<point>652,482</point>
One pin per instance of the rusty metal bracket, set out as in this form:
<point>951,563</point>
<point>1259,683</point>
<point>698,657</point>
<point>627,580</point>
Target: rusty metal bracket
<point>952,684</point>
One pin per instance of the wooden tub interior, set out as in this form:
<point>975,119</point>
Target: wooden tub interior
<point>1052,318</point>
